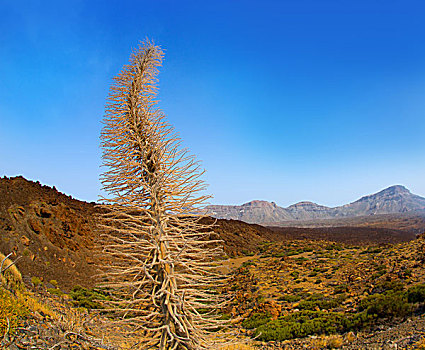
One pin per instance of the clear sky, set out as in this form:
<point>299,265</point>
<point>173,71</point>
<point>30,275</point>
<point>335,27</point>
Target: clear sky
<point>281,100</point>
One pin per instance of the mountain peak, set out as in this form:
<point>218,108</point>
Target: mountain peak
<point>306,205</point>
<point>396,189</point>
<point>259,203</point>
<point>388,192</point>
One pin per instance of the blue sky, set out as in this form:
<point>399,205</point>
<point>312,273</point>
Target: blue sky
<point>281,100</point>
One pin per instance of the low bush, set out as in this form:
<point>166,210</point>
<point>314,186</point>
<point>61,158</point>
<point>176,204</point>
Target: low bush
<point>318,301</point>
<point>36,281</point>
<point>388,305</point>
<point>416,294</point>
<point>295,274</point>
<point>290,298</point>
<point>248,253</point>
<point>88,298</point>
<point>340,288</point>
<point>371,250</point>
<point>248,263</point>
<point>55,291</point>
<point>256,320</point>
<point>334,247</point>
<point>294,252</point>
<point>54,282</point>
<point>388,286</point>
<point>302,324</point>
<point>301,259</point>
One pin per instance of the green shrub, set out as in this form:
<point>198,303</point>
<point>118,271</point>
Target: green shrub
<point>416,294</point>
<point>319,301</point>
<point>295,274</point>
<point>301,259</point>
<point>247,253</point>
<point>334,247</point>
<point>36,281</point>
<point>26,252</point>
<point>55,291</point>
<point>256,320</point>
<point>387,305</point>
<point>54,282</point>
<point>88,298</point>
<point>408,273</point>
<point>360,321</point>
<point>341,288</point>
<point>294,252</point>
<point>302,324</point>
<point>290,298</point>
<point>371,250</point>
<point>248,263</point>
<point>395,286</point>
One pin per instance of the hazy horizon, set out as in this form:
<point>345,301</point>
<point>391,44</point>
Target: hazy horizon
<point>283,101</point>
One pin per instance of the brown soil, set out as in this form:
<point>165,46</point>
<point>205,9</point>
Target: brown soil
<point>240,237</point>
<point>361,235</point>
<point>53,233</point>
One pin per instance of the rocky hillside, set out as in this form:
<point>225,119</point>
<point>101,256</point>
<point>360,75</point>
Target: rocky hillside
<point>394,199</point>
<point>55,234</point>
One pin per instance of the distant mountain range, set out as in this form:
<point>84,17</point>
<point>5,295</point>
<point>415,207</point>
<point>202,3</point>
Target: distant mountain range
<point>394,199</point>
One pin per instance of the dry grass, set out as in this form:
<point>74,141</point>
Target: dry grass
<point>12,275</point>
<point>327,342</point>
<point>334,341</point>
<point>11,311</point>
<point>19,303</point>
<point>240,346</point>
<point>33,304</point>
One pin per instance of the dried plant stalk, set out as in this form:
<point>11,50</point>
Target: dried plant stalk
<point>162,262</point>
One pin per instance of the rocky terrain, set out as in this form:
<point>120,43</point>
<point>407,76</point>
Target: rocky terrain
<point>394,199</point>
<point>55,235</point>
<point>332,276</point>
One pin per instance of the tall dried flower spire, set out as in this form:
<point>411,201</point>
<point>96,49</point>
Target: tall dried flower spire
<point>162,262</point>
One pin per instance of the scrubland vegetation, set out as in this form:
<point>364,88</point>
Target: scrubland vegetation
<point>304,288</point>
<point>282,292</point>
